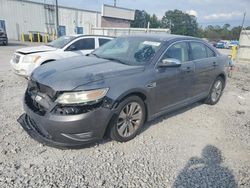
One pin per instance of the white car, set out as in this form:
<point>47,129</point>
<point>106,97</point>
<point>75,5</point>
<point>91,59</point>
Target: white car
<point>25,60</point>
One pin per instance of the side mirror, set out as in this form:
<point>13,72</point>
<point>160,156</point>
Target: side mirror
<point>169,62</point>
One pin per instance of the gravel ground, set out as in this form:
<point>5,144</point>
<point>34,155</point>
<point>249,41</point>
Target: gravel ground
<point>199,146</point>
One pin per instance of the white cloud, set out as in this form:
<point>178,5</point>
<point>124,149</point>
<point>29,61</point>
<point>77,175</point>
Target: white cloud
<point>192,12</point>
<point>228,15</point>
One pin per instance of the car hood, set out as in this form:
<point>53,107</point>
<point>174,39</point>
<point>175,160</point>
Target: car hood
<point>70,73</point>
<point>36,49</point>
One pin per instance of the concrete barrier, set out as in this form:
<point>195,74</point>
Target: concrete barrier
<point>244,48</point>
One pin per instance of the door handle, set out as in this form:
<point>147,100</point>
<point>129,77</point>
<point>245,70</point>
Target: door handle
<point>215,64</point>
<point>151,85</point>
<point>188,69</point>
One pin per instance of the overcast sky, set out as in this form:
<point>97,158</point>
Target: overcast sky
<point>215,12</point>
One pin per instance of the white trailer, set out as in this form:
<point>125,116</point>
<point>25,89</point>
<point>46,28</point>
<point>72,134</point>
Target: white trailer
<point>125,31</point>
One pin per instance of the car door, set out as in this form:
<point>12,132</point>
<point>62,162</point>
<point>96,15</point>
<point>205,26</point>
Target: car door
<point>205,62</point>
<point>174,83</point>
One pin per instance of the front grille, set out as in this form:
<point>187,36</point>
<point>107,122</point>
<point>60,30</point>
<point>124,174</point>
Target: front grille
<point>16,58</point>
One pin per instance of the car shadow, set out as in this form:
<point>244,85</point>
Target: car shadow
<point>207,171</point>
<point>169,115</point>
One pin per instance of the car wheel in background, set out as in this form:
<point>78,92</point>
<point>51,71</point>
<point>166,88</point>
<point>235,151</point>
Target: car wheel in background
<point>216,91</point>
<point>128,120</point>
<point>5,43</point>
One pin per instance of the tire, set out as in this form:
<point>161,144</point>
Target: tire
<point>215,91</point>
<point>5,43</point>
<point>128,120</point>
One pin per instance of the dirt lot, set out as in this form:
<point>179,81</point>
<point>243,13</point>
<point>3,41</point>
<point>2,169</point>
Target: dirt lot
<point>199,146</point>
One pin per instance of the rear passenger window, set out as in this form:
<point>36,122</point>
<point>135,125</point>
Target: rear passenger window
<point>210,53</point>
<point>103,41</point>
<point>198,50</point>
<point>178,51</point>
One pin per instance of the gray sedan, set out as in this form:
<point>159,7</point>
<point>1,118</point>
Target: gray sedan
<point>113,91</point>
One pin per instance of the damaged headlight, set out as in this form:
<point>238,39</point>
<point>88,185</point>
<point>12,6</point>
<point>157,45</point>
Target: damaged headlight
<point>82,96</point>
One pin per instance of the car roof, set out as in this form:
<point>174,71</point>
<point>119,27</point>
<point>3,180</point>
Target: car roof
<point>163,37</point>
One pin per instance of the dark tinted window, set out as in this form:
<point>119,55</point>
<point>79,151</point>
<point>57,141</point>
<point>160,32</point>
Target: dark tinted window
<point>210,52</point>
<point>198,50</point>
<point>84,44</point>
<point>103,41</point>
<point>178,51</point>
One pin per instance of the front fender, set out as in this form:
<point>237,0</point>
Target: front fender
<point>143,94</point>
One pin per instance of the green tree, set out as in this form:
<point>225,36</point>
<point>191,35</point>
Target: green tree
<point>154,22</point>
<point>215,33</point>
<point>235,33</point>
<point>212,33</point>
<point>180,23</point>
<point>141,19</point>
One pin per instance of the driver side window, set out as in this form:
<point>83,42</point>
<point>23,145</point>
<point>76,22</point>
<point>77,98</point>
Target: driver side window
<point>177,51</point>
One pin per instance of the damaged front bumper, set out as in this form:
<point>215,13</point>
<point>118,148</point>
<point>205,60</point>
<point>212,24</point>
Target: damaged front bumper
<point>61,130</point>
<point>66,131</point>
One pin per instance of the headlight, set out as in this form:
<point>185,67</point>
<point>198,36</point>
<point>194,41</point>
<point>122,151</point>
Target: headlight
<point>82,96</point>
<point>31,59</point>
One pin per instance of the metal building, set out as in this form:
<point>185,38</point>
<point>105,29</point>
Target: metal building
<point>23,16</point>
<point>113,16</point>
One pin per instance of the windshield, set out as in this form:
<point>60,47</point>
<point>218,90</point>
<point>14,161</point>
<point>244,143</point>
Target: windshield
<point>61,41</point>
<point>129,50</point>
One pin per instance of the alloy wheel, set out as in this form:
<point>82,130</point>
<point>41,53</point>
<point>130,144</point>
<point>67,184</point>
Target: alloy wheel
<point>217,90</point>
<point>129,119</point>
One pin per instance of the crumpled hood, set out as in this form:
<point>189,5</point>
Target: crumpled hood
<point>68,74</point>
<point>36,49</point>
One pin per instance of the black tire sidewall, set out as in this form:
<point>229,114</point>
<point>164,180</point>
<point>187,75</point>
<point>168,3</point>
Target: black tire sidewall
<point>209,99</point>
<point>114,132</point>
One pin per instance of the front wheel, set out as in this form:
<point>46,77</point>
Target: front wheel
<point>128,120</point>
<point>216,91</point>
<point>5,43</point>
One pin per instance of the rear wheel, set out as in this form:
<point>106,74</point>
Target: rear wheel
<point>216,91</point>
<point>129,119</point>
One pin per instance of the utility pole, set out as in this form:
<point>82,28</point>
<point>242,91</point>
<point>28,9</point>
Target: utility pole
<point>57,19</point>
<point>114,3</point>
<point>148,27</point>
<point>243,22</point>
